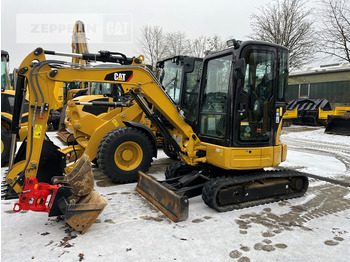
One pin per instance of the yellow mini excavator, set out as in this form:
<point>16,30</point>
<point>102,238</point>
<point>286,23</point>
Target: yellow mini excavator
<point>239,120</point>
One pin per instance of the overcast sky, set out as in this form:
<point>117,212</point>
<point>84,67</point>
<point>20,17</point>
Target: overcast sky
<point>115,25</point>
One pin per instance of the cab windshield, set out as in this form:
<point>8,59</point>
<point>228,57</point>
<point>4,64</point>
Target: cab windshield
<point>170,78</point>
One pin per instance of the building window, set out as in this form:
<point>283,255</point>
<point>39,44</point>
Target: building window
<point>304,90</point>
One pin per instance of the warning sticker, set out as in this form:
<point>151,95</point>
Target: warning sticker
<point>37,131</point>
<point>115,122</point>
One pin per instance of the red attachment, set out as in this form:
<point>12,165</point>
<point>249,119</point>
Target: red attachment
<point>34,196</point>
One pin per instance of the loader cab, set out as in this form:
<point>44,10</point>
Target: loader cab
<point>242,95</point>
<point>5,79</point>
<point>180,77</point>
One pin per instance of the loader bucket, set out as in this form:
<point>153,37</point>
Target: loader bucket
<point>82,215</point>
<point>172,205</point>
<point>339,125</point>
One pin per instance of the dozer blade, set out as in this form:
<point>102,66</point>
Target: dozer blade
<point>82,215</point>
<point>172,205</point>
<point>339,125</point>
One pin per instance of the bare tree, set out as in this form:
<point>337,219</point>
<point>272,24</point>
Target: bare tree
<point>153,44</point>
<point>215,43</point>
<point>286,22</point>
<point>199,46</point>
<point>177,44</point>
<point>334,29</point>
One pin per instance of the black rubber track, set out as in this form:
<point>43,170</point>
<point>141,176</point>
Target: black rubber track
<point>171,170</point>
<point>212,187</point>
<point>108,146</point>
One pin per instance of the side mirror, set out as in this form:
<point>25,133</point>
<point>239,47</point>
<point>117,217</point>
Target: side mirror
<point>189,64</point>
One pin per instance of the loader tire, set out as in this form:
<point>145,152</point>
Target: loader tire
<point>123,152</point>
<point>5,145</point>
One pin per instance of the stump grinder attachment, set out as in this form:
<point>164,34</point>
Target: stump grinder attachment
<point>72,196</point>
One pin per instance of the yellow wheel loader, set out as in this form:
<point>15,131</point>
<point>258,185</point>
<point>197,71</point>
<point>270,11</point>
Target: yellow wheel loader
<point>239,120</point>
<point>94,126</point>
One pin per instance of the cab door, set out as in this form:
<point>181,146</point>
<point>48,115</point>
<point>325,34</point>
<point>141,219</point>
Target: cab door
<point>255,99</point>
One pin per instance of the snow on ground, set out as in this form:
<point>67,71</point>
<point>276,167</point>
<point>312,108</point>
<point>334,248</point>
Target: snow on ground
<point>314,134</point>
<point>315,227</point>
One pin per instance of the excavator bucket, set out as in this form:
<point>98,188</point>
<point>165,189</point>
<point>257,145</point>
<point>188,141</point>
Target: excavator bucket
<point>82,204</point>
<point>82,215</point>
<point>81,178</point>
<point>339,125</point>
<point>173,205</point>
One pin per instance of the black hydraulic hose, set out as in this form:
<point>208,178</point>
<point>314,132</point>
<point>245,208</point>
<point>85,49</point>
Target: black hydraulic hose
<point>38,66</point>
<point>32,83</point>
<point>41,64</point>
<point>22,174</point>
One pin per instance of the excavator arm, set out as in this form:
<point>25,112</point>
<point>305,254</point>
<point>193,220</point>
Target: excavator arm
<point>80,207</point>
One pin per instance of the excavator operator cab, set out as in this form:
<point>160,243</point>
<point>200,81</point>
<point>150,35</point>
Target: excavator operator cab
<point>180,77</point>
<point>242,95</point>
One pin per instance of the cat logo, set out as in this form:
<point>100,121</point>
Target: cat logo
<point>119,77</point>
<point>122,76</point>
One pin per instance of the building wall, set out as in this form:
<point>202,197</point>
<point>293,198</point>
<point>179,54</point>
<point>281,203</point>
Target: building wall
<point>332,83</point>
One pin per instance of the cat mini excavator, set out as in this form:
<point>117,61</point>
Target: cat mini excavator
<point>239,121</point>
